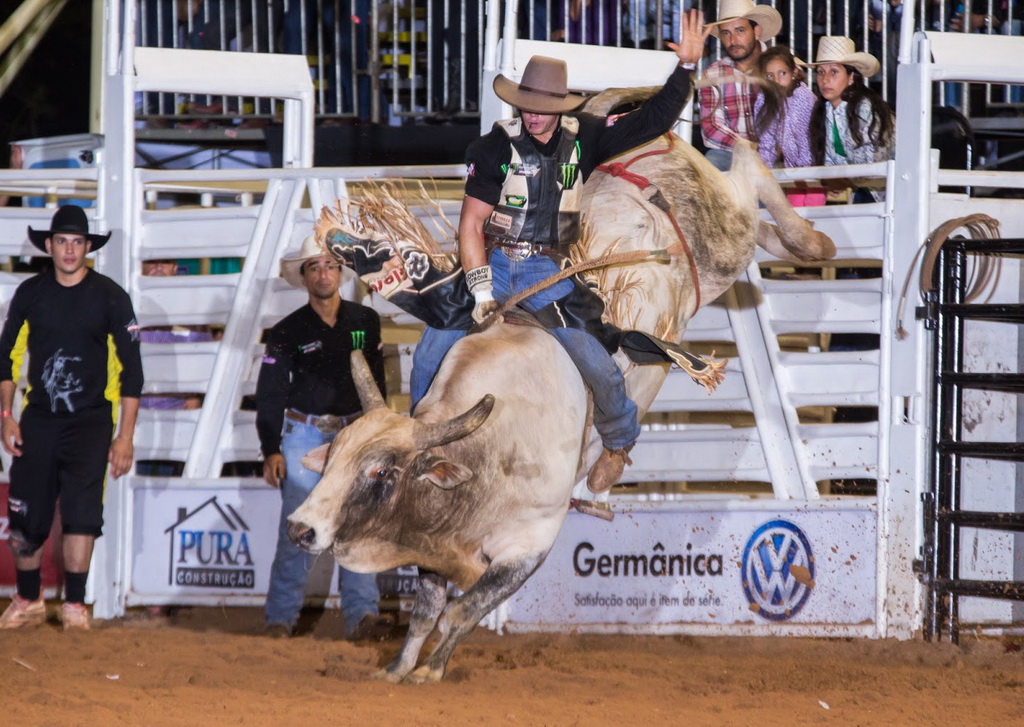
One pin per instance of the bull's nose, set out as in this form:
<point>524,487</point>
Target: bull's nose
<point>301,535</point>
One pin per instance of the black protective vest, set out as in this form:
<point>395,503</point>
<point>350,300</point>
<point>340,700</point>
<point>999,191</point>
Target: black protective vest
<point>540,198</point>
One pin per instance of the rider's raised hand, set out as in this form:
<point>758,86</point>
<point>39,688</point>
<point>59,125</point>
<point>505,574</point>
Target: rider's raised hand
<point>690,48</point>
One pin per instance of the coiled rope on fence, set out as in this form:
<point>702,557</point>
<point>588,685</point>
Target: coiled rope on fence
<point>984,275</point>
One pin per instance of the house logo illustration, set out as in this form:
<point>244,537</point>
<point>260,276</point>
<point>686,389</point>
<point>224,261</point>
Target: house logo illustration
<point>209,548</point>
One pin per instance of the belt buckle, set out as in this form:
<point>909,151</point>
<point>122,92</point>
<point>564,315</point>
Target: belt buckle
<point>328,424</point>
<point>519,250</point>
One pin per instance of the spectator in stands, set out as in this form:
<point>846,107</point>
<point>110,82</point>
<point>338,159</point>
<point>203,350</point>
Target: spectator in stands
<point>835,17</point>
<point>455,56</point>
<point>166,268</point>
<point>176,401</point>
<point>542,19</point>
<point>230,25</point>
<point>640,21</point>
<point>16,161</point>
<point>63,442</point>
<point>726,96</point>
<point>851,123</point>
<point>594,23</point>
<point>949,15</point>
<point>227,25</point>
<point>1009,17</point>
<point>311,27</point>
<point>304,397</point>
<point>782,112</point>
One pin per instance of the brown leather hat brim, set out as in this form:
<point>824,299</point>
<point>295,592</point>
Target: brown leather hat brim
<point>534,103</point>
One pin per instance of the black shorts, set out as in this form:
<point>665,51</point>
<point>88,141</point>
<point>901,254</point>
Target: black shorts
<point>62,457</point>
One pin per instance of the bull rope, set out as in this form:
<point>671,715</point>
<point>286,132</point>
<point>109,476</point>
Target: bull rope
<point>655,197</point>
<point>615,258</point>
<point>703,371</point>
<point>618,169</point>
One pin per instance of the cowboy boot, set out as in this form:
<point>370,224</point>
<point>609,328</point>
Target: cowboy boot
<point>608,469</point>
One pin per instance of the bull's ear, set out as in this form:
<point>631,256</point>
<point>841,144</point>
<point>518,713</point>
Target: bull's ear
<point>316,459</point>
<point>445,474</point>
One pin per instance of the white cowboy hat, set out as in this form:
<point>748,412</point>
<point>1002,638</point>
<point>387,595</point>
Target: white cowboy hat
<point>543,90</point>
<point>840,49</point>
<point>765,16</point>
<point>291,265</point>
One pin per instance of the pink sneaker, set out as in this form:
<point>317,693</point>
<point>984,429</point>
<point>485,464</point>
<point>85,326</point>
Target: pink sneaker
<point>75,617</point>
<point>21,614</point>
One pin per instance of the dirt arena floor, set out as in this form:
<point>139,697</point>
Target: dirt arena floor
<point>211,667</point>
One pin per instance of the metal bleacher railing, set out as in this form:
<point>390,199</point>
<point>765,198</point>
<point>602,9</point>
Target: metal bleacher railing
<point>391,61</point>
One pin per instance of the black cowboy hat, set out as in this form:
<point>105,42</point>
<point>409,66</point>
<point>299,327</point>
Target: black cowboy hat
<point>71,219</point>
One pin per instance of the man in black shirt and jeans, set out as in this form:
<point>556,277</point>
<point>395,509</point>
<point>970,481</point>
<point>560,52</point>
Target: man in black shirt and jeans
<point>304,396</point>
<point>62,444</point>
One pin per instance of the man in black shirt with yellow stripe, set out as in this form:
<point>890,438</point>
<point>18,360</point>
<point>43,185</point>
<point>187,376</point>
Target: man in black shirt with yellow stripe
<point>304,396</point>
<point>62,444</point>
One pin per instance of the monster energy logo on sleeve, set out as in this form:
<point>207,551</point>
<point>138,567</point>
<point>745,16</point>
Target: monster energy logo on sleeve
<point>358,339</point>
<point>569,172</point>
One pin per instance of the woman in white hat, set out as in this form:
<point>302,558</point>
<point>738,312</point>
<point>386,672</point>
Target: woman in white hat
<point>851,123</point>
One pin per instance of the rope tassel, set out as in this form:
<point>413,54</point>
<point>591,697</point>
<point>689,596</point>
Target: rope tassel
<point>705,371</point>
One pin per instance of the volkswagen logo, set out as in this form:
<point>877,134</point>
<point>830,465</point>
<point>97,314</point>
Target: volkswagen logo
<point>778,570</point>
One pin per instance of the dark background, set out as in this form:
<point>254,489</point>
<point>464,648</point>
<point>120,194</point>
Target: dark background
<point>50,95</point>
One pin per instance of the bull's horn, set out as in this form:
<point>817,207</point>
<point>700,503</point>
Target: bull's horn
<point>435,434</point>
<point>366,385</point>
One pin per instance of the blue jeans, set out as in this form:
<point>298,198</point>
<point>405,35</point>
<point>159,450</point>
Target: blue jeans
<point>290,571</point>
<point>615,414</point>
<point>721,159</point>
<point>426,360</point>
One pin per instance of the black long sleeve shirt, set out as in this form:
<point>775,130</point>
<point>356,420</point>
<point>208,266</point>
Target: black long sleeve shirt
<point>306,367</point>
<point>69,332</point>
<point>600,138</point>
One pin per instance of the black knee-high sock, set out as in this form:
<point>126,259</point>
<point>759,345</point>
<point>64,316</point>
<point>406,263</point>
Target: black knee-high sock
<point>74,587</point>
<point>29,583</point>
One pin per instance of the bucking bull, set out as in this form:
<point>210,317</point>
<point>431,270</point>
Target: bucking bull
<point>475,487</point>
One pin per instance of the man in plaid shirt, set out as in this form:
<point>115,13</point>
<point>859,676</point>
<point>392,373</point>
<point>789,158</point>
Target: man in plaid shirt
<point>727,106</point>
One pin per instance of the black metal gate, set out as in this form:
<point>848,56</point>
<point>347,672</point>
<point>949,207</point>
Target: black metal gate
<point>944,518</point>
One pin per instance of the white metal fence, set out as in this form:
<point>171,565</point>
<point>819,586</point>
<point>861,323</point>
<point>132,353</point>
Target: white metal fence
<point>257,215</point>
<point>393,60</point>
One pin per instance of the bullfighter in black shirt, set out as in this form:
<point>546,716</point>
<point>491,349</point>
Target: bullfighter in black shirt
<point>304,396</point>
<point>62,444</point>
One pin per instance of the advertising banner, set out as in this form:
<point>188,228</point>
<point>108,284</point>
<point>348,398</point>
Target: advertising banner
<point>204,541</point>
<point>756,567</point>
<point>211,544</point>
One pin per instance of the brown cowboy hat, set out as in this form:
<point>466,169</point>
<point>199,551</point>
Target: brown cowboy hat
<point>70,219</point>
<point>543,90</point>
<point>767,17</point>
<point>840,49</point>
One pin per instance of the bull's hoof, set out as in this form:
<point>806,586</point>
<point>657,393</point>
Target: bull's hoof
<point>424,675</point>
<point>383,675</point>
